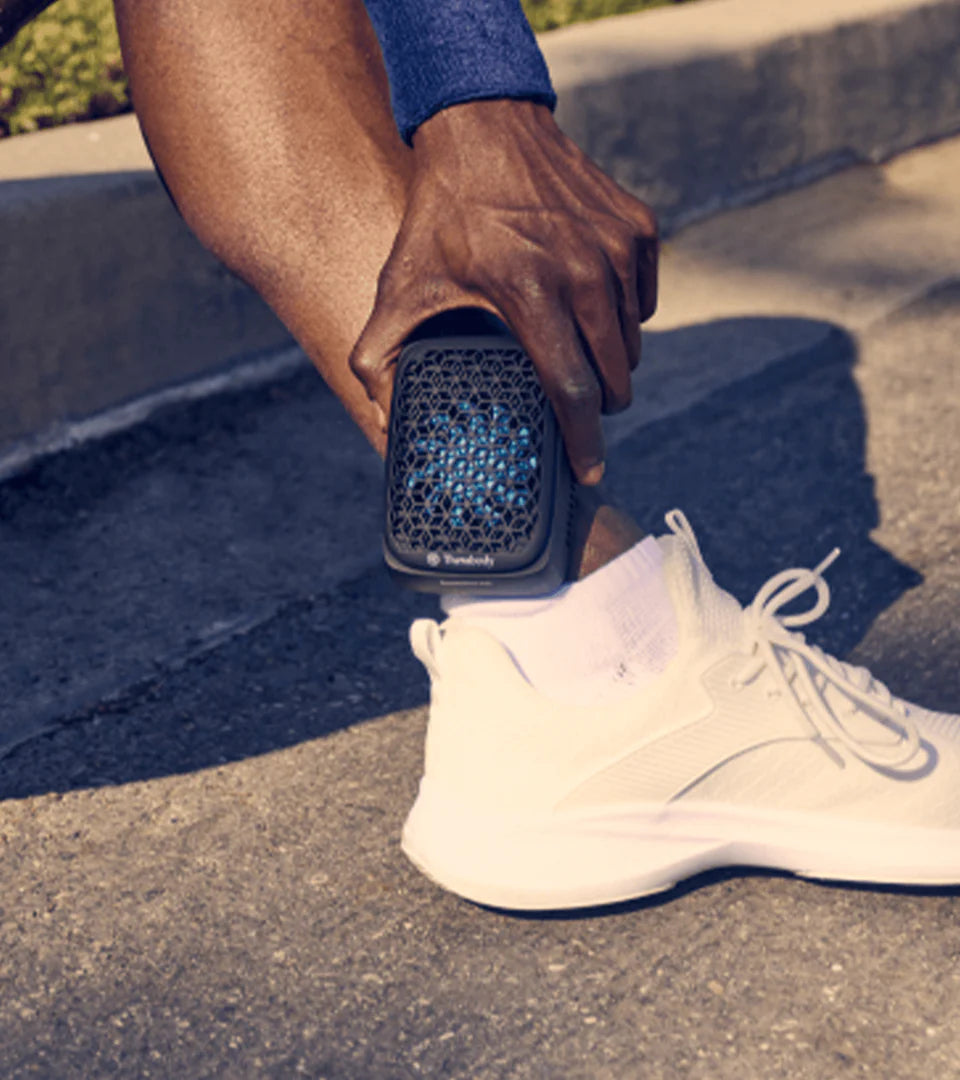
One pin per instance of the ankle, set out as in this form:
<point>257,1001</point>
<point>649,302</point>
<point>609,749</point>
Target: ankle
<point>592,641</point>
<point>600,533</point>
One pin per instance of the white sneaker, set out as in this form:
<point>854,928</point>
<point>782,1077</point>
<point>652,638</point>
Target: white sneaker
<point>752,748</point>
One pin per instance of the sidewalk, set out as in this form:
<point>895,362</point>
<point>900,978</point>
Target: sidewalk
<point>200,862</point>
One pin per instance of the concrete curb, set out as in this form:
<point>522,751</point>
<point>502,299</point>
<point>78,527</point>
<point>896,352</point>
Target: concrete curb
<point>105,296</point>
<point>723,102</point>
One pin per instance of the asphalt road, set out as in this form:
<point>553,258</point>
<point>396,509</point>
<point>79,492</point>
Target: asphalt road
<point>199,861</point>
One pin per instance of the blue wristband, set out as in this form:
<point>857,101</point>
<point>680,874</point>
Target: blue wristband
<point>442,52</point>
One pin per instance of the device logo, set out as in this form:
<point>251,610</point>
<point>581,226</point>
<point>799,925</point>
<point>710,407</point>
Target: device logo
<point>487,562</point>
<point>433,559</point>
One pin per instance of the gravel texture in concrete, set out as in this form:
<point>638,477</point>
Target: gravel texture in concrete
<point>132,553</point>
<point>202,878</point>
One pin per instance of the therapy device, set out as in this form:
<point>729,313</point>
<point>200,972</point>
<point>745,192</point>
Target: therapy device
<point>478,483</point>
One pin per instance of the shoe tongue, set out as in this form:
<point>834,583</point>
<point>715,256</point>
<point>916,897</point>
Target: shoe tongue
<point>704,610</point>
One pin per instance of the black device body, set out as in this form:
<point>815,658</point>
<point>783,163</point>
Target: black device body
<point>478,484</point>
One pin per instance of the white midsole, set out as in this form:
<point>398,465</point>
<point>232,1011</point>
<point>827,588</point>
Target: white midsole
<point>602,854</point>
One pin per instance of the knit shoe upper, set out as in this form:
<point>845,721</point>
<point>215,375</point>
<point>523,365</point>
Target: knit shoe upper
<point>753,744</point>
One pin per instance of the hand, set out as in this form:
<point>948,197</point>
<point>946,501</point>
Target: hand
<point>506,213</point>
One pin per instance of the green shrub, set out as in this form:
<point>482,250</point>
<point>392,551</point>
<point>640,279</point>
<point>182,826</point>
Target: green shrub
<point>63,66</point>
<point>550,14</point>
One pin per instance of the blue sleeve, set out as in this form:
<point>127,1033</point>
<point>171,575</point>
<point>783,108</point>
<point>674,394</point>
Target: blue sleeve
<point>441,52</point>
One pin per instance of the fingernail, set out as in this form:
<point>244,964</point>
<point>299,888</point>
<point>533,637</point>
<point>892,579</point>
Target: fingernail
<point>594,474</point>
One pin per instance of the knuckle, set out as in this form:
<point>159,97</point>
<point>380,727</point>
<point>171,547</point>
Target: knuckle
<point>621,256</point>
<point>647,226</point>
<point>580,395</point>
<point>530,277</point>
<point>629,249</point>
<point>588,274</point>
<point>531,285</point>
<point>622,244</point>
<point>365,366</point>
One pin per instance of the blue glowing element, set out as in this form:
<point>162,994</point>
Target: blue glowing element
<point>475,464</point>
<point>468,449</point>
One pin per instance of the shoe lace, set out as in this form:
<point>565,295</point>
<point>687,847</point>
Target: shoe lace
<point>804,671</point>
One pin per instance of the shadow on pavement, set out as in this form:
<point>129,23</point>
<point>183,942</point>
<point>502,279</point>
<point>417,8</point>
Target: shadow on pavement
<point>770,471</point>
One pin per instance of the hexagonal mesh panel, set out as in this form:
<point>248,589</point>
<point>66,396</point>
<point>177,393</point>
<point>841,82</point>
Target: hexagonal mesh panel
<point>471,425</point>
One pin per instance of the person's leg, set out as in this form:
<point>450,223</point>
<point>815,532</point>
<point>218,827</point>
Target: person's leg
<point>271,128</point>
<point>273,133</point>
